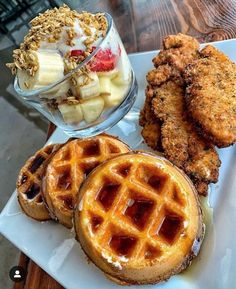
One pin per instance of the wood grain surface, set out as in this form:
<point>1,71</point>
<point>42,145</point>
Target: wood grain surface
<point>142,25</point>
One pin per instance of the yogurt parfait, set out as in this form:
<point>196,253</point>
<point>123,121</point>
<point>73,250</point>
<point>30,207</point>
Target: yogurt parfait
<point>72,66</point>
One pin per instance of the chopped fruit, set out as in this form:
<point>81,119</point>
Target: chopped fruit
<point>87,86</point>
<point>72,113</point>
<point>110,74</point>
<point>116,96</point>
<point>105,85</point>
<point>76,52</point>
<point>92,108</point>
<point>104,60</point>
<point>58,91</point>
<point>50,70</point>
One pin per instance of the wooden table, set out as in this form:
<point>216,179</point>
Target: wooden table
<point>142,25</point>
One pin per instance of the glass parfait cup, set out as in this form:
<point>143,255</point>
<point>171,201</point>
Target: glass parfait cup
<point>116,90</point>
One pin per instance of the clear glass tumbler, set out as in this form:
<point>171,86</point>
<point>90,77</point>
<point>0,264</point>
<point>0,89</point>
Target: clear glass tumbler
<point>88,117</point>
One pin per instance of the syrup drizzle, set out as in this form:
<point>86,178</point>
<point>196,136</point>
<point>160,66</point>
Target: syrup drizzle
<point>24,178</point>
<point>107,194</point>
<point>32,191</point>
<point>170,227</point>
<point>36,164</point>
<point>96,222</point>
<point>92,149</point>
<point>139,212</point>
<point>123,245</point>
<point>64,180</point>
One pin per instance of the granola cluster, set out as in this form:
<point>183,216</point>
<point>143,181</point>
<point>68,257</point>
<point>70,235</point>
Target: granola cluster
<point>48,27</point>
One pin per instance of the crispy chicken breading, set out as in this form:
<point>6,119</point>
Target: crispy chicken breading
<point>160,75</point>
<point>181,143</point>
<point>165,101</point>
<point>179,50</point>
<point>146,113</point>
<point>151,131</point>
<point>211,96</point>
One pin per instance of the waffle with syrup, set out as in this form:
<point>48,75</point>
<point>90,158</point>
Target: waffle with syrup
<point>138,219</point>
<point>29,183</point>
<point>68,169</point>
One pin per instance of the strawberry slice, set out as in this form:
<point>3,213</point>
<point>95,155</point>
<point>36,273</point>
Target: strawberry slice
<point>76,52</point>
<point>104,60</point>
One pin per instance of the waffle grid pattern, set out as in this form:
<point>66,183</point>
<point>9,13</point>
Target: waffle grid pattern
<point>117,225</point>
<point>72,164</point>
<point>30,177</point>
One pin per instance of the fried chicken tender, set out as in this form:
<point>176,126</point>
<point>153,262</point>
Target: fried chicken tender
<point>201,187</point>
<point>151,131</point>
<point>159,75</point>
<point>146,114</point>
<point>181,143</point>
<point>151,126</point>
<point>179,50</point>
<point>211,96</point>
<point>165,101</point>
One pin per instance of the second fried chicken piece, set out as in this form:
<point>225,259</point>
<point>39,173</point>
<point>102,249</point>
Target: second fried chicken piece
<point>179,49</point>
<point>151,131</point>
<point>146,114</point>
<point>211,96</point>
<point>181,143</point>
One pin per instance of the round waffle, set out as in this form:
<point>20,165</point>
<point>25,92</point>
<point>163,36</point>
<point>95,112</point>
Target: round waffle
<point>68,169</point>
<point>138,219</point>
<point>29,183</point>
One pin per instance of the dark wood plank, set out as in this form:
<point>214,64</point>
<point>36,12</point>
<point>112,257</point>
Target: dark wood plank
<point>207,20</point>
<point>39,279</point>
<point>142,26</point>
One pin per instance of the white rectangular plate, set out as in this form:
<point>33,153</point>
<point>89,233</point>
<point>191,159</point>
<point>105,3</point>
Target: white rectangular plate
<point>54,248</point>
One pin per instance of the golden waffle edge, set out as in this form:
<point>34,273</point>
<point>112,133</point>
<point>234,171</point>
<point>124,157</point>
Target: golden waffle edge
<point>138,219</point>
<point>69,167</point>
<point>29,183</point>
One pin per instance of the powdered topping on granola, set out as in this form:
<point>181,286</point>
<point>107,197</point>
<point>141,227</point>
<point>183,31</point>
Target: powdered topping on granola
<point>60,29</point>
<point>59,40</point>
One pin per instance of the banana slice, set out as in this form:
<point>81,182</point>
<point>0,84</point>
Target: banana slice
<point>117,94</point>
<point>86,91</point>
<point>72,113</point>
<point>105,85</point>
<point>110,74</point>
<point>92,108</point>
<point>50,70</point>
<point>58,91</point>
